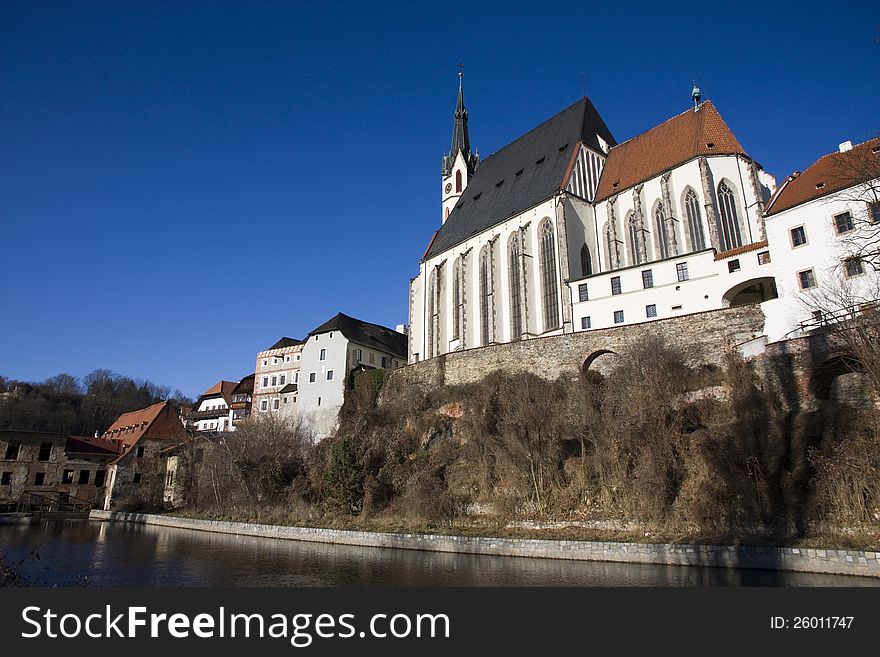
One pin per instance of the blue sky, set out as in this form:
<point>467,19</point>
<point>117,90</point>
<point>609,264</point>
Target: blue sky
<point>182,183</point>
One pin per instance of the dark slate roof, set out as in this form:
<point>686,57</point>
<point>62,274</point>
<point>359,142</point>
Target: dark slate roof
<point>290,387</point>
<point>367,334</point>
<point>245,385</point>
<point>484,203</point>
<point>285,342</point>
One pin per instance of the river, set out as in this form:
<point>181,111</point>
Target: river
<point>77,553</point>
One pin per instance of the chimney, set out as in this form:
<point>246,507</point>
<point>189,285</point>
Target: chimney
<point>845,146</point>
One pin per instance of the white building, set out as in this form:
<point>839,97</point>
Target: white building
<point>823,226</point>
<point>565,230</point>
<point>212,412</point>
<point>276,377</point>
<point>331,354</point>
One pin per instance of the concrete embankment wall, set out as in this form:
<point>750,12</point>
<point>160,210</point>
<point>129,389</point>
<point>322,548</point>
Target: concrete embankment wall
<point>838,562</point>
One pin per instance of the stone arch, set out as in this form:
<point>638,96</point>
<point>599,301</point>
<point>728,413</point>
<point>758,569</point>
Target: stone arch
<point>754,290</point>
<point>824,375</point>
<point>589,364</point>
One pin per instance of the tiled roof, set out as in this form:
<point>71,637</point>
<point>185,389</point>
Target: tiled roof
<point>244,386</point>
<point>830,173</point>
<point>222,388</point>
<point>367,334</point>
<point>676,141</point>
<point>158,421</point>
<point>522,174</point>
<point>285,342</point>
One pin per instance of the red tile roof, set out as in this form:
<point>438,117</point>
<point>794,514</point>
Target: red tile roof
<point>676,141</point>
<point>829,174</point>
<point>222,388</point>
<point>159,421</point>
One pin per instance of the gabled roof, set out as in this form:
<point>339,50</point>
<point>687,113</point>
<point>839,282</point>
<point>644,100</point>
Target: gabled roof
<point>367,334</point>
<point>522,174</point>
<point>159,421</point>
<point>285,342</point>
<point>829,174</point>
<point>245,385</point>
<point>676,141</point>
<point>221,389</point>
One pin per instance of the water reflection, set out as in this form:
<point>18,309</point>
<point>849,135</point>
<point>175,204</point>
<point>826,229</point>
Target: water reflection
<point>117,554</point>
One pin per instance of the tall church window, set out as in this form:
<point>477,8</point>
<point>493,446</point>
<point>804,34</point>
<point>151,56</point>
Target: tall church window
<point>458,181</point>
<point>456,299</point>
<point>586,261</point>
<point>485,296</point>
<point>730,233</point>
<point>548,277</point>
<point>632,228</point>
<point>515,274</point>
<point>660,230</point>
<point>432,294</point>
<point>694,221</point>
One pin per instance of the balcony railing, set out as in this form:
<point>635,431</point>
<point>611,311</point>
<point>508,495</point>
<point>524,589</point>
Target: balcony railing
<point>821,319</point>
<point>211,414</point>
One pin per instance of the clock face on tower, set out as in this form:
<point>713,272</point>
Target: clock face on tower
<point>448,187</point>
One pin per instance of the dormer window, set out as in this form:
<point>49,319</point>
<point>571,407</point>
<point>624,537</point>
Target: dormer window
<point>539,162</point>
<point>519,173</point>
<point>499,183</point>
<point>820,185</point>
<point>478,196</point>
<point>562,148</point>
<point>710,144</point>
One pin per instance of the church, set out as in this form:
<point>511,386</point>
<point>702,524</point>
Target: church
<point>565,229</point>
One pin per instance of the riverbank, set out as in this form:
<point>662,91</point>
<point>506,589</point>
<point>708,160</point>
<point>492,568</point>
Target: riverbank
<point>8,577</point>
<point>808,560</point>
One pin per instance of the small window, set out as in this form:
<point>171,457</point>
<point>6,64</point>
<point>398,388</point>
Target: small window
<point>319,401</point>
<point>618,317</point>
<point>323,355</point>
<point>764,258</point>
<point>733,265</point>
<point>265,362</point>
<point>372,358</point>
<point>519,173</point>
<point>274,380</point>
<point>585,323</point>
<point>312,377</point>
<point>39,479</point>
<point>282,379</point>
<point>678,307</point>
<point>798,237</point>
<point>615,285</point>
<point>329,375</point>
<point>853,266</point>
<point>67,477</point>
<point>647,278</point>
<point>275,404</point>
<point>140,452</point>
<point>874,212</point>
<point>265,381</point>
<point>843,223</point>
<point>45,452</point>
<point>331,335</point>
<point>806,279</point>
<point>297,356</point>
<point>264,405</point>
<point>539,162</point>
<point>384,362</point>
<point>287,359</point>
<point>13,447</point>
<point>137,478</point>
<point>583,292</point>
<point>6,479</point>
<point>285,400</point>
<point>651,310</point>
<point>83,477</point>
<point>358,355</point>
<point>99,477</point>
<point>681,269</point>
<point>296,377</point>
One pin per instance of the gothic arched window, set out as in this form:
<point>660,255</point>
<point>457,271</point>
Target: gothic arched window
<point>660,229</point>
<point>548,277</point>
<point>586,261</point>
<point>694,221</point>
<point>632,228</point>
<point>730,233</point>
<point>431,318</point>
<point>515,275</point>
<point>485,295</point>
<point>456,299</point>
<point>458,181</point>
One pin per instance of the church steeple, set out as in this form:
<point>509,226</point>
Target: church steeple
<point>461,142</point>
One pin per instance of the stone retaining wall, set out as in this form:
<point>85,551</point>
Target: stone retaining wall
<point>837,562</point>
<point>706,335</point>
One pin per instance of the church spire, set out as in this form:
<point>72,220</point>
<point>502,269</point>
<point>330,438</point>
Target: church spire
<point>460,140</point>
